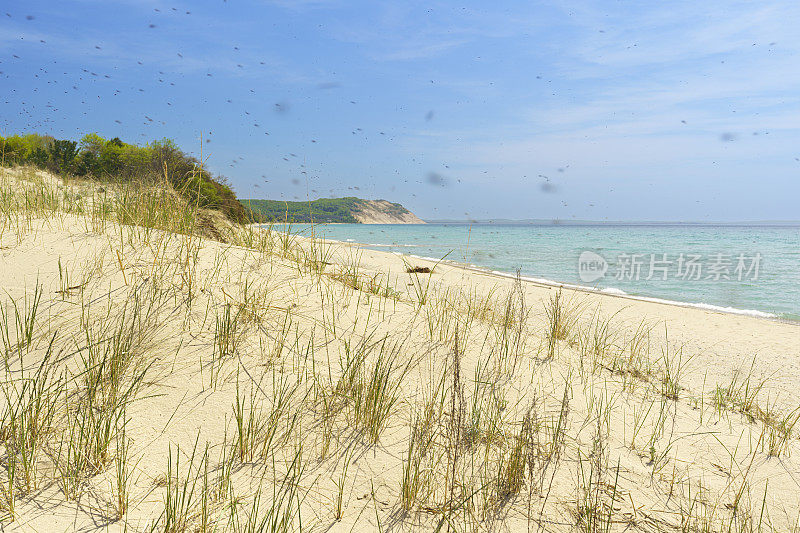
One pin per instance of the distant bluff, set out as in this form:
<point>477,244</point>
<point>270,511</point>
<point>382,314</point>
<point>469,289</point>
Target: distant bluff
<point>349,210</point>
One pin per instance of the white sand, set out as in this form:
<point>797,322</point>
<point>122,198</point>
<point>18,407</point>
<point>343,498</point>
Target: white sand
<point>299,325</point>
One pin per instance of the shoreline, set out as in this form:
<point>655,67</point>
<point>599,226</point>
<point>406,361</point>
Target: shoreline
<point>610,291</point>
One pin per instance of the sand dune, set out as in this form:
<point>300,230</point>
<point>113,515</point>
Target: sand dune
<point>159,380</point>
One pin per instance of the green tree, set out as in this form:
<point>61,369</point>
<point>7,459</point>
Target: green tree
<point>62,154</point>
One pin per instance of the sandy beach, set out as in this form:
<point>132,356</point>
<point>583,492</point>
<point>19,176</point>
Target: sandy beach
<point>163,380</point>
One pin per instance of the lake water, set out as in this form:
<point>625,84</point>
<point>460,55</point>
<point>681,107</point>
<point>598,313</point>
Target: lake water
<point>752,270</point>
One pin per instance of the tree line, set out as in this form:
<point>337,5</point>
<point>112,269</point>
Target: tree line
<point>112,160</point>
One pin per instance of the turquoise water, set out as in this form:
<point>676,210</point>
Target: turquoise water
<point>761,263</point>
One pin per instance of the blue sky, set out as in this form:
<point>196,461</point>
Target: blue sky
<point>599,110</point>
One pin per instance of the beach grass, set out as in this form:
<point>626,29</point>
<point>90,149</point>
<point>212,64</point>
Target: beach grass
<point>183,372</point>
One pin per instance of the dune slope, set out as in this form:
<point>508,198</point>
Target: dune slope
<point>157,379</point>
